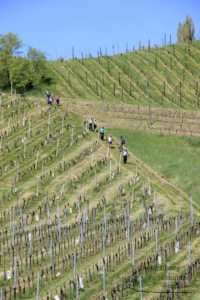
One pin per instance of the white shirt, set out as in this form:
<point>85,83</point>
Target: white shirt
<point>125,153</point>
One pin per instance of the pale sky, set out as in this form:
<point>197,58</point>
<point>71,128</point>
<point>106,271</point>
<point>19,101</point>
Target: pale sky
<point>57,24</point>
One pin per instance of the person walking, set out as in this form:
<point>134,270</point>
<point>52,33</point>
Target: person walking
<point>121,140</point>
<point>57,99</point>
<point>121,143</point>
<point>50,101</point>
<point>102,130</point>
<point>47,96</point>
<point>110,140</point>
<point>95,125</point>
<point>52,97</point>
<point>125,154</point>
<point>90,123</point>
<point>84,121</point>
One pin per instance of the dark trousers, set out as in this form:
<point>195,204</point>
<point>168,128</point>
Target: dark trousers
<point>125,159</point>
<point>102,136</point>
<point>90,126</point>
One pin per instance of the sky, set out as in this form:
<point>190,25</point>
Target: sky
<point>62,24</point>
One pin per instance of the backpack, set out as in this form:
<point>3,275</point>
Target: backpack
<point>123,141</point>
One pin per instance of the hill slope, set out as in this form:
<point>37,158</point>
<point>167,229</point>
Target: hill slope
<point>63,189</point>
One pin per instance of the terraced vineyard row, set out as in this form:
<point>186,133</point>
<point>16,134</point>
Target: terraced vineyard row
<point>77,223</point>
<point>172,73</point>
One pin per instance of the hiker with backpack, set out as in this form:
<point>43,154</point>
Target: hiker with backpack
<point>125,154</point>
<point>121,143</point>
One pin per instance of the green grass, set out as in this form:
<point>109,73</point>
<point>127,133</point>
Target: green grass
<point>177,158</point>
<point>161,65</point>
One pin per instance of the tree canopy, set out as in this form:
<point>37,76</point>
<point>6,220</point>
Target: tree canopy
<point>36,66</point>
<point>9,46</point>
<point>186,30</point>
<point>21,70</point>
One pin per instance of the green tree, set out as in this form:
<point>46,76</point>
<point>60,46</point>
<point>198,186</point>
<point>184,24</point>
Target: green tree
<point>22,71</point>
<point>186,30</point>
<point>9,46</point>
<point>37,67</point>
<point>28,70</point>
<point>179,32</point>
<point>4,76</point>
<point>18,70</point>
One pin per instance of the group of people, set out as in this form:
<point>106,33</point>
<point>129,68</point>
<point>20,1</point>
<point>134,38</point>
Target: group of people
<point>50,98</point>
<point>109,138</point>
<point>90,123</point>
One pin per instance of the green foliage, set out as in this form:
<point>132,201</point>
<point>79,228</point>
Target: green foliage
<point>22,71</point>
<point>4,74</point>
<point>9,46</point>
<point>185,31</point>
<point>188,29</point>
<point>179,32</point>
<point>37,67</point>
<point>18,71</point>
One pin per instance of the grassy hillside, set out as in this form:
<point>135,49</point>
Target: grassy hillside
<point>174,158</point>
<point>63,189</point>
<point>172,74</point>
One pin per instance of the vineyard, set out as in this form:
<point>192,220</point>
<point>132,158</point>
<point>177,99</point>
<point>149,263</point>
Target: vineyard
<point>77,223</point>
